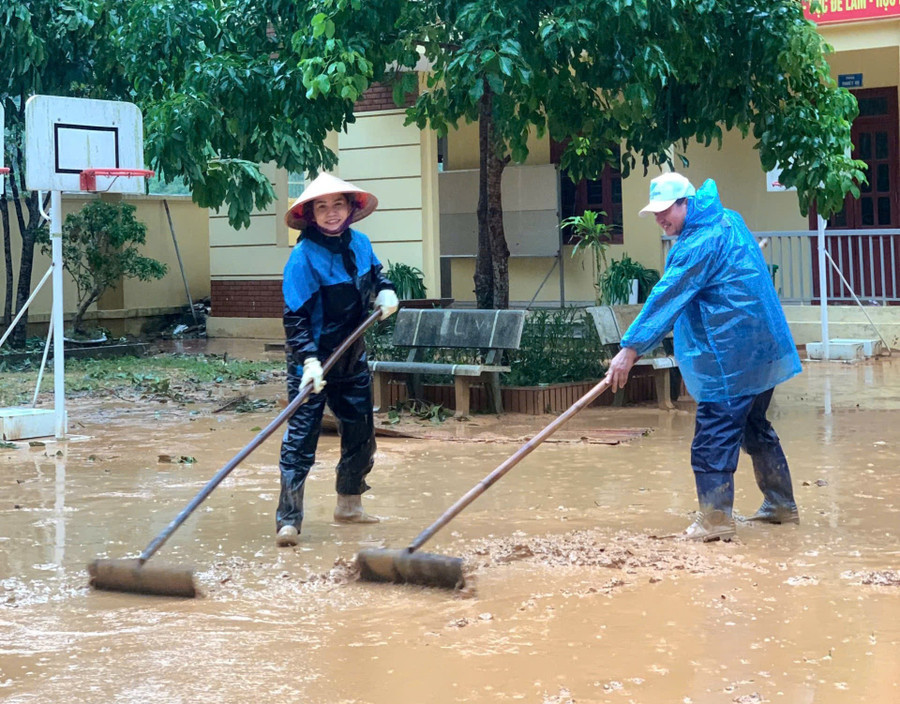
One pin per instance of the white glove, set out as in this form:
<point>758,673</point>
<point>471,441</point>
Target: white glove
<point>387,301</point>
<point>312,372</point>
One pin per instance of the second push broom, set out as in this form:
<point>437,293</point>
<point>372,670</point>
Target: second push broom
<point>432,570</point>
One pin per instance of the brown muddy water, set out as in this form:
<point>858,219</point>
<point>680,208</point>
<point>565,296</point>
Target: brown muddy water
<point>573,600</point>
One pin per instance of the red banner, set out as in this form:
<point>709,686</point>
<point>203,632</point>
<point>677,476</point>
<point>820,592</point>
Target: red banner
<point>835,11</point>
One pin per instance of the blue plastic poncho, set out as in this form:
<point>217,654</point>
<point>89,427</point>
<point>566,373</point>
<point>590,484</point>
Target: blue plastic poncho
<point>731,336</point>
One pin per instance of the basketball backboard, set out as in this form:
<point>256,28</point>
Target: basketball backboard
<point>65,136</point>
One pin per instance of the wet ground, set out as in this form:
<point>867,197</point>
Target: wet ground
<point>572,598</point>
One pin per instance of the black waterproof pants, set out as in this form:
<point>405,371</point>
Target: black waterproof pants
<point>350,399</point>
<point>720,431</point>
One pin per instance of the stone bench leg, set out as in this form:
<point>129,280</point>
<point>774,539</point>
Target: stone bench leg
<point>415,389</point>
<point>663,389</point>
<point>493,389</point>
<point>462,387</point>
<point>381,394</point>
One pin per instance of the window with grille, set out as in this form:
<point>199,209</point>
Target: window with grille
<point>602,194</point>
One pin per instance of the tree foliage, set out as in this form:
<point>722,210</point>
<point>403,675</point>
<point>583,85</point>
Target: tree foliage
<point>100,249</point>
<point>55,48</point>
<point>226,85</point>
<point>651,77</point>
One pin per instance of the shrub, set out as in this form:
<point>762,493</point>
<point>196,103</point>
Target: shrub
<point>100,249</point>
<point>558,346</point>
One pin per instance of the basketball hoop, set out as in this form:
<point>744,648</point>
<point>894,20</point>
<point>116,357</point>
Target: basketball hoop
<point>88,177</point>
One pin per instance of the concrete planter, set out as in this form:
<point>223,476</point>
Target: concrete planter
<point>76,351</point>
<point>532,400</point>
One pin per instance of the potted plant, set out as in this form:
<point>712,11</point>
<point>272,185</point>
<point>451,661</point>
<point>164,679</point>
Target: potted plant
<point>409,281</point>
<point>593,236</point>
<point>626,281</point>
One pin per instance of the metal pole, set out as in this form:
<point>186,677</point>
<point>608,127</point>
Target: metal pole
<point>559,253</point>
<point>59,382</point>
<point>823,287</point>
<point>187,289</point>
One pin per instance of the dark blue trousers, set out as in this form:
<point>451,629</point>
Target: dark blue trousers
<point>350,399</point>
<point>721,429</point>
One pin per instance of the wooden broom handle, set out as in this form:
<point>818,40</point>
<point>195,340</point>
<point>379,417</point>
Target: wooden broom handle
<point>511,462</point>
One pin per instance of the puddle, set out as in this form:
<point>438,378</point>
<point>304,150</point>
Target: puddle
<point>572,599</point>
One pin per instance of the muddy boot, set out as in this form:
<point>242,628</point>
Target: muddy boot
<point>349,510</point>
<point>715,525</point>
<point>287,537</point>
<point>715,492</point>
<point>774,480</point>
<point>773,513</point>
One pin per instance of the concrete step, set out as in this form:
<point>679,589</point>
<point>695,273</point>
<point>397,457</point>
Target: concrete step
<point>845,349</point>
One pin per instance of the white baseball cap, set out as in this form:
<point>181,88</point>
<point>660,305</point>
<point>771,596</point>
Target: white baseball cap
<point>665,190</point>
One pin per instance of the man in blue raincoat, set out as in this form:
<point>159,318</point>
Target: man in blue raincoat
<point>732,344</point>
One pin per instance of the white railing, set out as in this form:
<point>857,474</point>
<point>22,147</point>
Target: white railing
<point>866,259</point>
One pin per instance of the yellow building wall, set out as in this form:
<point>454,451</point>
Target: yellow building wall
<point>125,308</point>
<point>395,162</point>
<point>462,148</point>
<point>255,253</point>
<point>398,164</point>
<point>641,237</point>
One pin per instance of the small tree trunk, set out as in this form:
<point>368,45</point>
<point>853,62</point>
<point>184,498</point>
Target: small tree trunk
<point>78,320</point>
<point>492,259</point>
<point>23,291</point>
<point>26,263</point>
<point>7,256</point>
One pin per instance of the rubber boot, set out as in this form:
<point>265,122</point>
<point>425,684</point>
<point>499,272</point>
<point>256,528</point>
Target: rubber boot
<point>289,515</point>
<point>773,477</point>
<point>715,492</point>
<point>349,510</point>
<point>287,537</point>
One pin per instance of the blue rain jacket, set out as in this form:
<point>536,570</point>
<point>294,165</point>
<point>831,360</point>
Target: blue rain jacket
<point>731,336</point>
<point>328,287</point>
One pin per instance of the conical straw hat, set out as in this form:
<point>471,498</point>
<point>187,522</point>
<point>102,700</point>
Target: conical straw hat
<point>327,185</point>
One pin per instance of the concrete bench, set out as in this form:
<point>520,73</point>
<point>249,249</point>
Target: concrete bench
<point>488,331</point>
<point>611,323</point>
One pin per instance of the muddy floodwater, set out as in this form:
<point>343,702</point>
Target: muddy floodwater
<point>573,598</point>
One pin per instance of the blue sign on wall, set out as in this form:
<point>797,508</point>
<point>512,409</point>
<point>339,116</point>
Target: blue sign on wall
<point>850,80</point>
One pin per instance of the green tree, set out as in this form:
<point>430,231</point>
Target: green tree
<point>224,85</point>
<point>649,76</point>
<point>56,48</point>
<point>100,249</point>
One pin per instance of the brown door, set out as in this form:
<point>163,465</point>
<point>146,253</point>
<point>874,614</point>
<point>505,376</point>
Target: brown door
<point>861,258</point>
<point>874,136</point>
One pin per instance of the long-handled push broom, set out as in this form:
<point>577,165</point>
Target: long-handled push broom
<point>135,575</point>
<point>432,570</point>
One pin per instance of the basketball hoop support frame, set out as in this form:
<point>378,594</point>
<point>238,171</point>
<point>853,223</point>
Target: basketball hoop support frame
<point>88,177</point>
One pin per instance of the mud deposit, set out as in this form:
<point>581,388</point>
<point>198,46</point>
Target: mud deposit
<point>571,597</point>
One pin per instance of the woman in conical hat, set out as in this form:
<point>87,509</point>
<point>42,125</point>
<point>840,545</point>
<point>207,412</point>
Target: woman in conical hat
<point>329,281</point>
